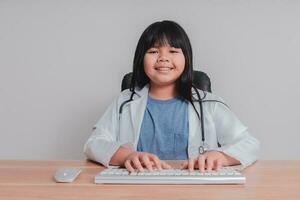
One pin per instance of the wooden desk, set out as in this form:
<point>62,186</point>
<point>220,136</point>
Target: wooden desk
<point>34,180</point>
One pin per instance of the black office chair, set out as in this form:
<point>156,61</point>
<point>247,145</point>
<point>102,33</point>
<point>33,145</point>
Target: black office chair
<point>201,81</point>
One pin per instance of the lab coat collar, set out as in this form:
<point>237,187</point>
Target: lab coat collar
<point>145,91</point>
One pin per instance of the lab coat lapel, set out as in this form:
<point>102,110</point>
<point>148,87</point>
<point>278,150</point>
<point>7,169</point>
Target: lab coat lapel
<point>137,110</point>
<point>194,127</point>
<point>195,138</point>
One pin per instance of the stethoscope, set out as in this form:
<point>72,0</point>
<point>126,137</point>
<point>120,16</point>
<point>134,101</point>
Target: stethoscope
<point>203,147</point>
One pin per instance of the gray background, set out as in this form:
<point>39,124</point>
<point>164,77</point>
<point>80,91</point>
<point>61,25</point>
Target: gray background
<point>61,64</point>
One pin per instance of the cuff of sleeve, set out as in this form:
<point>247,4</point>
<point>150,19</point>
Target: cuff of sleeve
<point>101,151</point>
<point>234,154</point>
<point>128,145</point>
<point>246,151</point>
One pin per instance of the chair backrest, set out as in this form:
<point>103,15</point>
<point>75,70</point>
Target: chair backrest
<point>201,81</point>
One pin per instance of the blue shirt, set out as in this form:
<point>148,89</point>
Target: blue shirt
<point>164,130</point>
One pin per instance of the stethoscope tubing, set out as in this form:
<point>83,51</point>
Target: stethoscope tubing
<point>202,148</point>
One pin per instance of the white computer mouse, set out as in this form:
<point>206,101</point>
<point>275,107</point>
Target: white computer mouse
<point>66,175</point>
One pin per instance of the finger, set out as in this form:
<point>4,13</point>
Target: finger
<point>201,163</point>
<point>128,166</point>
<point>156,162</point>
<point>209,163</point>
<point>191,164</point>
<point>147,162</point>
<point>165,165</point>
<point>184,165</point>
<point>218,164</point>
<point>137,164</point>
<point>152,163</point>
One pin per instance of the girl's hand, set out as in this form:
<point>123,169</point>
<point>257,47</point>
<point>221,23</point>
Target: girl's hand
<point>210,160</point>
<point>138,160</point>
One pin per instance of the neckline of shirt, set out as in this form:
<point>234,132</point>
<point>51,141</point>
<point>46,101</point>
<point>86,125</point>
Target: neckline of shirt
<point>163,100</point>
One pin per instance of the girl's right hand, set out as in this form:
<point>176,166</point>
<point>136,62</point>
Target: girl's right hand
<point>139,160</point>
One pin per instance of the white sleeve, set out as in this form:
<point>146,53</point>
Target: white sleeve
<point>233,136</point>
<point>102,144</point>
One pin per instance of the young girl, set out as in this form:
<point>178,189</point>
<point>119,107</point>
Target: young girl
<point>164,117</point>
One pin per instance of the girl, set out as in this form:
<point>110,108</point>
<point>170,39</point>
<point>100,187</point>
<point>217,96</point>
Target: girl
<point>164,117</point>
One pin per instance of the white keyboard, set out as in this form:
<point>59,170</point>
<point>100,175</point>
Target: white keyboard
<point>227,175</point>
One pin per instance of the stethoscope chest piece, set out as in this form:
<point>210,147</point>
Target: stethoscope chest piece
<point>202,149</point>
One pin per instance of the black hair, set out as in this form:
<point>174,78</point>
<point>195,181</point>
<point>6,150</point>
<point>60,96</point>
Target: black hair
<point>162,33</point>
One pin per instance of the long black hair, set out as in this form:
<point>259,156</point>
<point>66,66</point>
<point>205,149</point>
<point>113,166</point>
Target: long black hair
<point>162,33</point>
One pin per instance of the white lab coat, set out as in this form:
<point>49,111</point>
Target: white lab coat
<point>221,125</point>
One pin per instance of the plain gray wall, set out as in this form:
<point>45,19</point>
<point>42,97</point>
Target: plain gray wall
<point>62,62</point>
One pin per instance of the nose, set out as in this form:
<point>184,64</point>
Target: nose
<point>163,58</point>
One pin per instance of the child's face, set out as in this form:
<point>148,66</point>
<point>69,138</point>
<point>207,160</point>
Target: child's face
<point>164,64</point>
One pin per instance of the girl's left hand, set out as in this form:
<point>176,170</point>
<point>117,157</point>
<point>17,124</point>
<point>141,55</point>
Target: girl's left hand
<point>210,160</point>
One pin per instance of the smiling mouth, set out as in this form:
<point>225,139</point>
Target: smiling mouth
<point>164,69</point>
